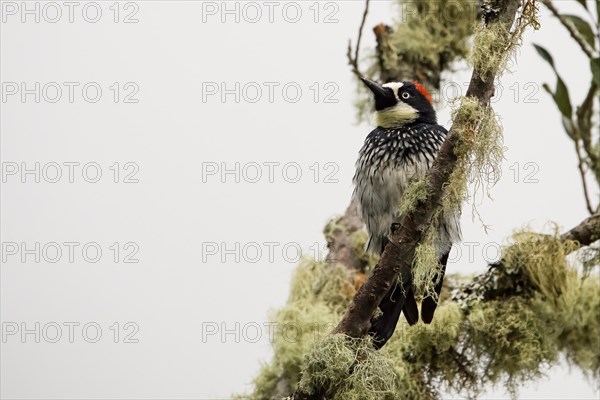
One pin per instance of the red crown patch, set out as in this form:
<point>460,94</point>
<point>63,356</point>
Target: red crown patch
<point>423,91</point>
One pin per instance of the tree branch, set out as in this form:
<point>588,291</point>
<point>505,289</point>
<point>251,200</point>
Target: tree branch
<point>353,61</point>
<point>586,232</point>
<point>496,283</point>
<point>580,165</point>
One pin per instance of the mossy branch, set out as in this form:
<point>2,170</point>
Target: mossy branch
<point>586,233</point>
<point>501,282</point>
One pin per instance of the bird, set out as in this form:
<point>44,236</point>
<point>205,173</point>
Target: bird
<point>399,151</point>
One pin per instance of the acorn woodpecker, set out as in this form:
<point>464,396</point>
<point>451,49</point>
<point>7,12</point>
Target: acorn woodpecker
<point>399,151</point>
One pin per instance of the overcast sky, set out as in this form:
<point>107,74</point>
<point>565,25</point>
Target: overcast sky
<point>179,156</point>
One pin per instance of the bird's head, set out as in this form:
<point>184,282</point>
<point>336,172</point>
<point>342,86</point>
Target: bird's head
<point>400,103</point>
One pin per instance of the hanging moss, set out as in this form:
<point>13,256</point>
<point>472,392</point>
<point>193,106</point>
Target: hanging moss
<point>426,264</point>
<point>542,260</point>
<point>343,368</point>
<point>580,320</point>
<point>416,192</point>
<point>319,294</point>
<point>479,152</point>
<point>510,341</point>
<point>495,42</point>
<point>327,365</point>
<point>490,47</point>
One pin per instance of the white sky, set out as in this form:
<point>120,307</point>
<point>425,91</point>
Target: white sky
<point>179,214</point>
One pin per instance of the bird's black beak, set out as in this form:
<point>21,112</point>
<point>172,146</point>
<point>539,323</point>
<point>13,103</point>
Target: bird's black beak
<point>374,87</point>
<point>384,97</point>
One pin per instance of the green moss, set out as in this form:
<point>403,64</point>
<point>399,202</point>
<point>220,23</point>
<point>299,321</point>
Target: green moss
<point>579,319</point>
<point>266,382</point>
<point>319,295</point>
<point>426,353</point>
<point>542,260</point>
<point>489,54</point>
<point>344,368</point>
<point>495,42</point>
<point>327,365</point>
<point>426,265</point>
<point>333,228</point>
<point>372,377</point>
<point>510,341</point>
<point>479,152</point>
<point>416,192</point>
<point>299,326</point>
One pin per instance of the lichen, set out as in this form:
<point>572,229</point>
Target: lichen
<point>510,341</point>
<point>319,293</point>
<point>542,260</point>
<point>479,150</point>
<point>426,264</point>
<point>580,322</point>
<point>416,192</point>
<point>495,42</point>
<point>489,54</point>
<point>342,368</point>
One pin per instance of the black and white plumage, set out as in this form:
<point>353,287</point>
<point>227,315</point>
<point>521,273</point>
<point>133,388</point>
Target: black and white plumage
<point>399,151</point>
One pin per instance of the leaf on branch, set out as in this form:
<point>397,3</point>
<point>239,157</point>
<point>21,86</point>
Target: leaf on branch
<point>561,95</point>
<point>582,2</point>
<point>545,55</point>
<point>584,29</point>
<point>569,127</point>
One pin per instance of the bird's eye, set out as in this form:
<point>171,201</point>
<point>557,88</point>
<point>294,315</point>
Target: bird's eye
<point>405,95</point>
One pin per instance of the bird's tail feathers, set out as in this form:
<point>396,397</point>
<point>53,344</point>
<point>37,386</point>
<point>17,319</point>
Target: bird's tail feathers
<point>399,298</point>
<point>429,303</point>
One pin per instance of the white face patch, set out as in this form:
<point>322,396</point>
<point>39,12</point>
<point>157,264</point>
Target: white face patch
<point>394,86</point>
